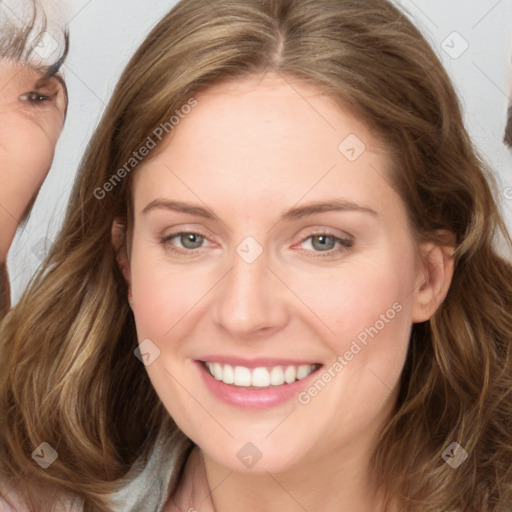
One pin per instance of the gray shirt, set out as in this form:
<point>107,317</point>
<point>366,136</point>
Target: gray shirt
<point>145,488</point>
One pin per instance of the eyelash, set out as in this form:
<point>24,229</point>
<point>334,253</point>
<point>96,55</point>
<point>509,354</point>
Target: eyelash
<point>345,243</point>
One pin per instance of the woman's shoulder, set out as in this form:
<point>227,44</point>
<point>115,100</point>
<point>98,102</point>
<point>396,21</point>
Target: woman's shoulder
<point>148,483</point>
<point>12,501</point>
<point>144,488</point>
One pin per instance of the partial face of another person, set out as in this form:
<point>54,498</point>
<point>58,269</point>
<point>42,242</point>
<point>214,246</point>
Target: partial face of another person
<point>219,273</point>
<point>32,114</point>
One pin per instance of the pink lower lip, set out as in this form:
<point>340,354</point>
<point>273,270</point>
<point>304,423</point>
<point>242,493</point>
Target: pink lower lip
<point>263,398</point>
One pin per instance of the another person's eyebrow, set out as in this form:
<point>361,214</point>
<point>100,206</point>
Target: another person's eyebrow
<point>54,68</point>
<point>292,214</point>
<point>51,72</point>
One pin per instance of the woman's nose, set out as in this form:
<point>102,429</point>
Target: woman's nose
<point>251,297</point>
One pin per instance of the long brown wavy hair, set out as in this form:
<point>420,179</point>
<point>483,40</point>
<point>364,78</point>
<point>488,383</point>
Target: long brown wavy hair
<point>68,375</point>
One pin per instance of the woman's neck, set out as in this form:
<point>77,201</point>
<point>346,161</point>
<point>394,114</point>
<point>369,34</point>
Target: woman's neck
<point>236,491</point>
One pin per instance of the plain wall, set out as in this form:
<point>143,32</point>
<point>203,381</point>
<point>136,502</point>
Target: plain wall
<point>105,34</point>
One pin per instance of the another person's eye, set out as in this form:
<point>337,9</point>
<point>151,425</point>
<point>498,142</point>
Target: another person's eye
<point>191,240</point>
<point>45,92</point>
<point>35,97</point>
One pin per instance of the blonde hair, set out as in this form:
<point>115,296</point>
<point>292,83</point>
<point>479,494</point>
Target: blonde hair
<point>68,375</point>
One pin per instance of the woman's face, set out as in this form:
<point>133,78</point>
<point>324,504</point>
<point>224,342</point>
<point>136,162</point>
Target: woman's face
<point>261,280</point>
<point>31,118</point>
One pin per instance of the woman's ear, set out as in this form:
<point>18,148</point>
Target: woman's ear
<point>120,248</point>
<point>434,277</point>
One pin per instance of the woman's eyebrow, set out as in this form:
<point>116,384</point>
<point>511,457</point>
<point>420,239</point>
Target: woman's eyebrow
<point>292,214</point>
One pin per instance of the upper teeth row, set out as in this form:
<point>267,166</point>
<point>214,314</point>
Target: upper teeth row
<point>259,377</point>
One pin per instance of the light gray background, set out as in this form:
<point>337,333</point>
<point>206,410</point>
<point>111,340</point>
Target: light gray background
<point>104,35</point>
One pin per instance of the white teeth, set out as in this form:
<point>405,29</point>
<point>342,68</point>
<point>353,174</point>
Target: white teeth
<point>217,371</point>
<point>258,377</point>
<point>228,374</point>
<point>242,376</point>
<point>290,374</point>
<point>303,371</point>
<point>276,376</point>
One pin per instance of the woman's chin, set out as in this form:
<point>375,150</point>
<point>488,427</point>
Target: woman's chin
<point>251,458</point>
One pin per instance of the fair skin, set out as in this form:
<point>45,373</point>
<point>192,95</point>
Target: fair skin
<point>31,118</point>
<point>250,151</point>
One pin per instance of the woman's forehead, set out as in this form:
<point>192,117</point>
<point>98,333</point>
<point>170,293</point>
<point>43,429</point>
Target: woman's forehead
<point>268,135</point>
<point>271,110</point>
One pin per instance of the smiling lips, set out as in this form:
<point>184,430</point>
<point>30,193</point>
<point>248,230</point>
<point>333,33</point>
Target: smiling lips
<point>260,376</point>
<point>255,384</point>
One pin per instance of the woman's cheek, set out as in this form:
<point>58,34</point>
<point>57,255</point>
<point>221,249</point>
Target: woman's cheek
<point>26,153</point>
<point>346,297</point>
<point>360,307</point>
<point>163,292</point>
<point>38,164</point>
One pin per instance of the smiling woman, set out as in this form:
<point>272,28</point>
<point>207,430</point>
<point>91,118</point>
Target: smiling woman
<point>320,225</point>
<point>33,103</point>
